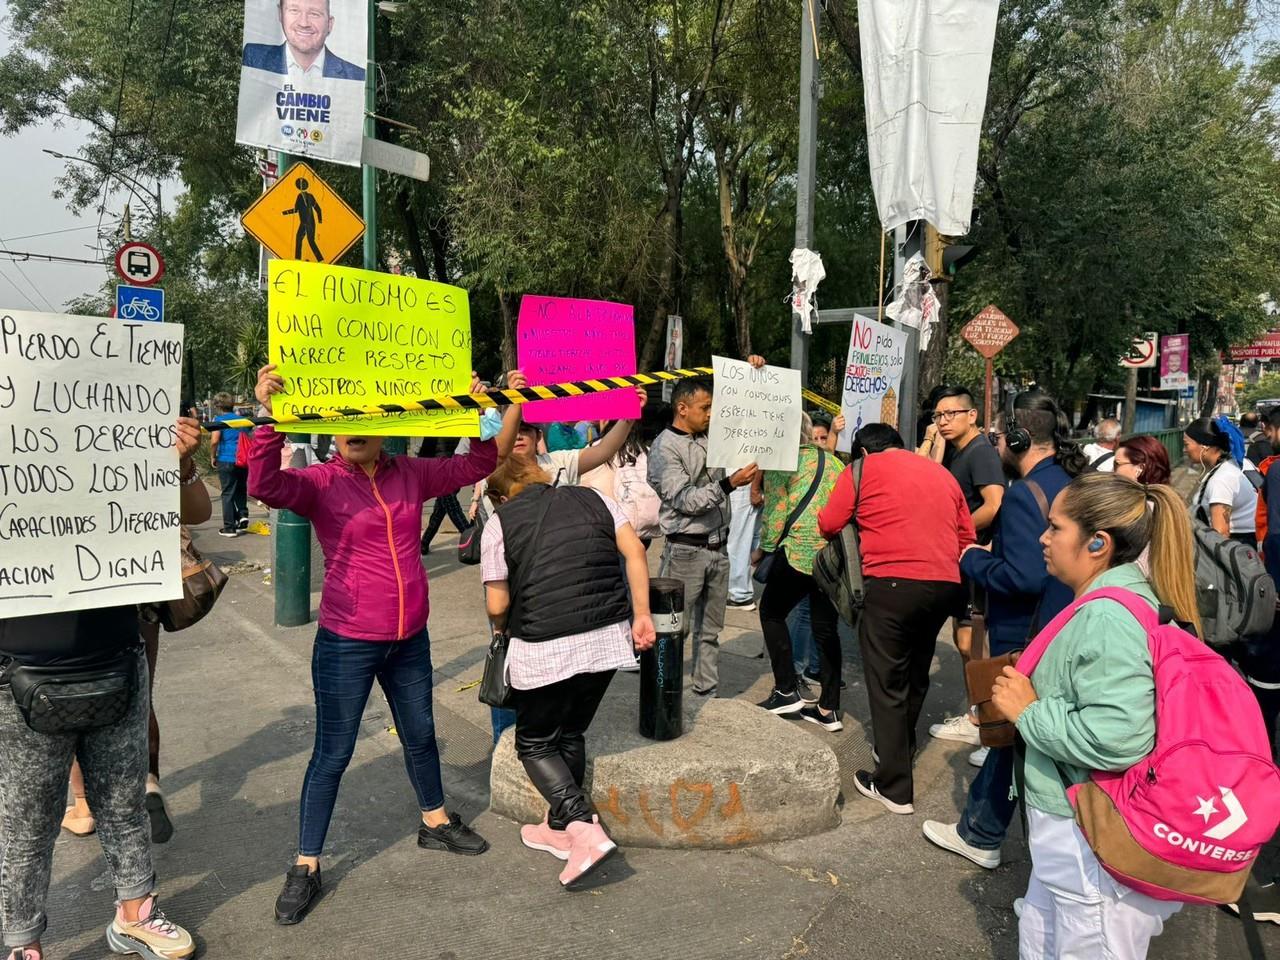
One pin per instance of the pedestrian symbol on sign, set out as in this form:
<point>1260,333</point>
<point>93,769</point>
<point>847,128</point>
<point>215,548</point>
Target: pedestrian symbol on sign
<point>307,209</point>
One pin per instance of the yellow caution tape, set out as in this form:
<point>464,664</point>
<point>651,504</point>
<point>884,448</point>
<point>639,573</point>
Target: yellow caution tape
<point>472,401</point>
<point>491,399</point>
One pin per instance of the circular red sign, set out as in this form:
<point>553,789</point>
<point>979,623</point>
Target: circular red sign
<point>140,263</point>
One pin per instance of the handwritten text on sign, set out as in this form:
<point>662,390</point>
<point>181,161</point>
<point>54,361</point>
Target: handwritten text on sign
<point>755,417</point>
<point>872,377</point>
<point>355,338</point>
<point>88,465</point>
<point>561,340</point>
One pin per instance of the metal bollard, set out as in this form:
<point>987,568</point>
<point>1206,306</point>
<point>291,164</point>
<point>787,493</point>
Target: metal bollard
<point>662,666</point>
<point>292,572</point>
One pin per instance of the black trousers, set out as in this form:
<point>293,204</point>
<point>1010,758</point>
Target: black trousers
<point>787,586</point>
<point>897,635</point>
<point>551,726</point>
<point>447,504</point>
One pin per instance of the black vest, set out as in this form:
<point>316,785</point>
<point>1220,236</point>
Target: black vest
<point>570,580</point>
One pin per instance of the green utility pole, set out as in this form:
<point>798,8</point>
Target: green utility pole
<point>291,573</point>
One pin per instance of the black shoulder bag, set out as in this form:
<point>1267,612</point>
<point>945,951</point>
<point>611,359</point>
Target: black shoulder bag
<point>765,567</point>
<point>494,688</point>
<point>837,569</point>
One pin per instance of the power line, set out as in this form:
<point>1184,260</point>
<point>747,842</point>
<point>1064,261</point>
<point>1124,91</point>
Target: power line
<point>16,255</point>
<point>115,122</point>
<point>18,290</point>
<point>50,233</point>
<point>22,273</point>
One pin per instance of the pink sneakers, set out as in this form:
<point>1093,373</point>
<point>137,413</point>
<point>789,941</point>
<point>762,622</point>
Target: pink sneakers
<point>539,836</point>
<point>589,846</point>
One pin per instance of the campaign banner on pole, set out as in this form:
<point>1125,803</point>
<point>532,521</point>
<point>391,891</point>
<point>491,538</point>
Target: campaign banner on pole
<point>561,339</point>
<point>350,338</point>
<point>755,417</point>
<point>89,476</point>
<point>674,352</point>
<point>302,74</point>
<point>1174,361</point>
<point>872,377</point>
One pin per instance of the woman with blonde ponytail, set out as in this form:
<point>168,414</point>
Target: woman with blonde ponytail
<point>1092,707</point>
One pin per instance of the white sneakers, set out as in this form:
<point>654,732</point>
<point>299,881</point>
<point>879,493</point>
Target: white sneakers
<point>946,836</point>
<point>979,757</point>
<point>956,728</point>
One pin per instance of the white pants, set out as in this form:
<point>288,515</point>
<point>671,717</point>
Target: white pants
<point>1074,910</point>
<point>744,537</point>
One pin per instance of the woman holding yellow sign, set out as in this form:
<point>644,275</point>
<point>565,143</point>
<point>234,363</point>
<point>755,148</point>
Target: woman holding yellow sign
<point>366,508</point>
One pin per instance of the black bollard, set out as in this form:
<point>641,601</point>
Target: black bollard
<point>662,666</point>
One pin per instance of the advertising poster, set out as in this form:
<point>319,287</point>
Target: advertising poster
<point>302,73</point>
<point>1173,362</point>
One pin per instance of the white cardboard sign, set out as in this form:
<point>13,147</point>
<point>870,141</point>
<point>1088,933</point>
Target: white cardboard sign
<point>88,466</point>
<point>755,417</point>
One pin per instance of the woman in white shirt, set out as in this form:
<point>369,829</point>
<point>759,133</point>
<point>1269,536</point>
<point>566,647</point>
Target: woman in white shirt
<point>1225,499</point>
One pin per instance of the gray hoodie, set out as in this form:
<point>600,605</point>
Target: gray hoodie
<point>695,500</point>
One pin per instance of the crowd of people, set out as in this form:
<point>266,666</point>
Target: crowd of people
<point>996,531</point>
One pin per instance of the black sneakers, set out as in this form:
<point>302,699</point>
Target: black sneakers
<point>827,721</point>
<point>783,703</point>
<point>1265,901</point>
<point>867,787</point>
<point>454,836</point>
<point>301,888</point>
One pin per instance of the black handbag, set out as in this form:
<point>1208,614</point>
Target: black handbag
<point>765,567</point>
<point>494,688</point>
<point>469,545</point>
<point>837,569</point>
<point>72,699</point>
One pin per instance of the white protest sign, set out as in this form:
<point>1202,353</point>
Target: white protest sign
<point>88,466</point>
<point>755,417</point>
<point>872,377</point>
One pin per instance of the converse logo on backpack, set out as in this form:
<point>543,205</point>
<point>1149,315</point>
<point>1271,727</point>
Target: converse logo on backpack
<point>1237,817</point>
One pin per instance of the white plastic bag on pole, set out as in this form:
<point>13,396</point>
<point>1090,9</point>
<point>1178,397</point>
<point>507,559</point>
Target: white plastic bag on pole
<point>924,69</point>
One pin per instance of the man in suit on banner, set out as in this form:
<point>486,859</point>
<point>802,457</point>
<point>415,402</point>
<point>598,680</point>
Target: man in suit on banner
<point>303,56</point>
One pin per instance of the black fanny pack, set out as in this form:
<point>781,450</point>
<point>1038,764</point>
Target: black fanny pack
<point>74,698</point>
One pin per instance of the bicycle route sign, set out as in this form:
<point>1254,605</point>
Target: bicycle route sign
<point>139,263</point>
<point>139,303</point>
<point>302,218</point>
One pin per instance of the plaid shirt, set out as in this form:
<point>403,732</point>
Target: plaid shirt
<point>533,665</point>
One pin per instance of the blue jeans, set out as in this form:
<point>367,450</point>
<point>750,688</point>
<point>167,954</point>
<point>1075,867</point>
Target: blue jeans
<point>743,538</point>
<point>343,671</point>
<point>803,648</point>
<point>501,718</point>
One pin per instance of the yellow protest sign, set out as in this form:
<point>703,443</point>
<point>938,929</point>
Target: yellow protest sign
<point>303,218</point>
<point>345,337</point>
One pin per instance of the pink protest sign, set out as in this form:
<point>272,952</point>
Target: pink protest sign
<point>560,339</point>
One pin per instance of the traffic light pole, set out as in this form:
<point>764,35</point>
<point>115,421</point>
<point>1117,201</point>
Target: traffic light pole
<point>291,572</point>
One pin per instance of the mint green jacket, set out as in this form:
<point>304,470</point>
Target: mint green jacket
<point>1096,697</point>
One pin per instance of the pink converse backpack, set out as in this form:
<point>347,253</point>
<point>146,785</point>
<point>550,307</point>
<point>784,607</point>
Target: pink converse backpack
<point>1185,823</point>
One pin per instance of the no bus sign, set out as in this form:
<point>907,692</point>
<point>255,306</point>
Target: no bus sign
<point>139,263</point>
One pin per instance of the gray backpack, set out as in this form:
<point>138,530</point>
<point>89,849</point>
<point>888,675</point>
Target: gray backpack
<point>1237,597</point>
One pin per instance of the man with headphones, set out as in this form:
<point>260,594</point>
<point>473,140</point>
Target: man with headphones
<point>1038,455</point>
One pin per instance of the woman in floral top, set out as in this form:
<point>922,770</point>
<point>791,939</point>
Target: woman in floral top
<point>791,581</point>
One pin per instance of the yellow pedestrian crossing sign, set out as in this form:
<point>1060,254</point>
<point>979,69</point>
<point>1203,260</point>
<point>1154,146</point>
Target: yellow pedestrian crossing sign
<point>303,218</point>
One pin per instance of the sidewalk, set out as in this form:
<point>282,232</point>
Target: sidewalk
<point>234,701</point>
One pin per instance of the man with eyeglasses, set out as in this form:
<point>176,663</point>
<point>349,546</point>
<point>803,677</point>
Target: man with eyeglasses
<point>975,464</point>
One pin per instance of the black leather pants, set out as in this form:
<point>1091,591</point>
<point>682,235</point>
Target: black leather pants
<point>551,726</point>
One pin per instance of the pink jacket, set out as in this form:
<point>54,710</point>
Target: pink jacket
<point>369,528</point>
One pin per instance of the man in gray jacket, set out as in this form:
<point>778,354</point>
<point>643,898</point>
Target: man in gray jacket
<point>695,521</point>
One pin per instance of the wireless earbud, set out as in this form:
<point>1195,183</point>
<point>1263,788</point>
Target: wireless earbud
<point>1096,544</point>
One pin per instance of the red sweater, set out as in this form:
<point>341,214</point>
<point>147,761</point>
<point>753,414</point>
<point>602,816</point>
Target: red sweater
<point>912,517</point>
